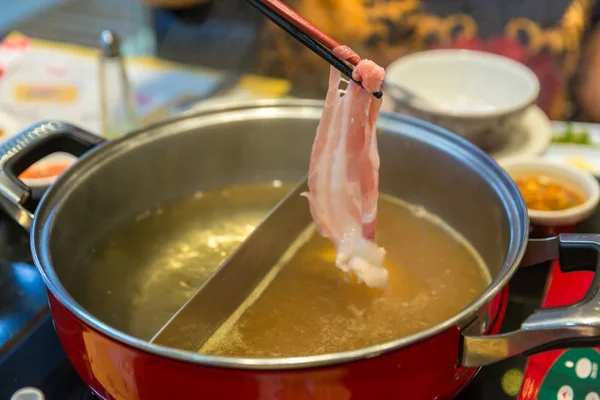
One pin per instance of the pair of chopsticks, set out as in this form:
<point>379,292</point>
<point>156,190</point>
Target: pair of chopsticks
<point>306,33</point>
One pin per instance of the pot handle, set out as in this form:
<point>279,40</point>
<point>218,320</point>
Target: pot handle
<point>25,149</point>
<point>577,325</point>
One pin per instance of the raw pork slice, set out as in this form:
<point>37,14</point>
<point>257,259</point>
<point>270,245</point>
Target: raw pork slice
<point>343,178</point>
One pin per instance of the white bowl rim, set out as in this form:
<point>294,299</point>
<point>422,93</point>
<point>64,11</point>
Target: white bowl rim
<point>512,65</point>
<point>568,216</point>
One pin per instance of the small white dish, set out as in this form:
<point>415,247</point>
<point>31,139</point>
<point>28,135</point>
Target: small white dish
<point>584,158</point>
<point>28,393</point>
<point>470,93</point>
<point>530,136</point>
<point>573,178</point>
<point>576,144</point>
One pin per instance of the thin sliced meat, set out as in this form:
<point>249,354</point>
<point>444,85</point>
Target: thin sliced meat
<point>343,176</point>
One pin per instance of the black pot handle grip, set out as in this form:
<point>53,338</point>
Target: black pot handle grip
<point>576,325</point>
<point>26,148</point>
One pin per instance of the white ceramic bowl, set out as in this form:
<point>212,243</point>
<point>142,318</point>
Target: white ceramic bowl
<point>576,179</point>
<point>470,93</point>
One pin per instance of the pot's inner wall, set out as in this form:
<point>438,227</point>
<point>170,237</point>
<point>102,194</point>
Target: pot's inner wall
<point>181,158</point>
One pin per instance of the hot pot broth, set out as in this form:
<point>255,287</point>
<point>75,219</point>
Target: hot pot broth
<point>180,244</point>
<point>310,307</point>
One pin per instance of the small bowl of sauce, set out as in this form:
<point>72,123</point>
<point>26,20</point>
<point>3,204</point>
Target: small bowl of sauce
<point>543,193</point>
<point>557,196</point>
<point>43,173</point>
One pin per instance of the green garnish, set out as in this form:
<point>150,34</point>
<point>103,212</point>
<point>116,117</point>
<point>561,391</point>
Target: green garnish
<point>573,137</point>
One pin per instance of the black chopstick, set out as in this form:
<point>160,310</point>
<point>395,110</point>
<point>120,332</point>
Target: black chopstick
<point>306,40</point>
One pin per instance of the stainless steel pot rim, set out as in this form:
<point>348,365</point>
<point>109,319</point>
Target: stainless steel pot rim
<point>46,212</point>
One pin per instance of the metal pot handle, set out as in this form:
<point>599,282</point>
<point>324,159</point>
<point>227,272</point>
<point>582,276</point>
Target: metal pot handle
<point>25,149</point>
<point>577,325</point>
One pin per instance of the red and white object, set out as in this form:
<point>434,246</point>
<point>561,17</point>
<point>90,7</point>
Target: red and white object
<point>564,374</point>
<point>11,51</point>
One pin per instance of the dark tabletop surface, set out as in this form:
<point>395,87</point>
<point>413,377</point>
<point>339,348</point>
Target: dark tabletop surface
<point>34,357</point>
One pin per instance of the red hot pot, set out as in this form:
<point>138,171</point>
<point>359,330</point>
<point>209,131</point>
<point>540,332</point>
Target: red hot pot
<point>263,141</point>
